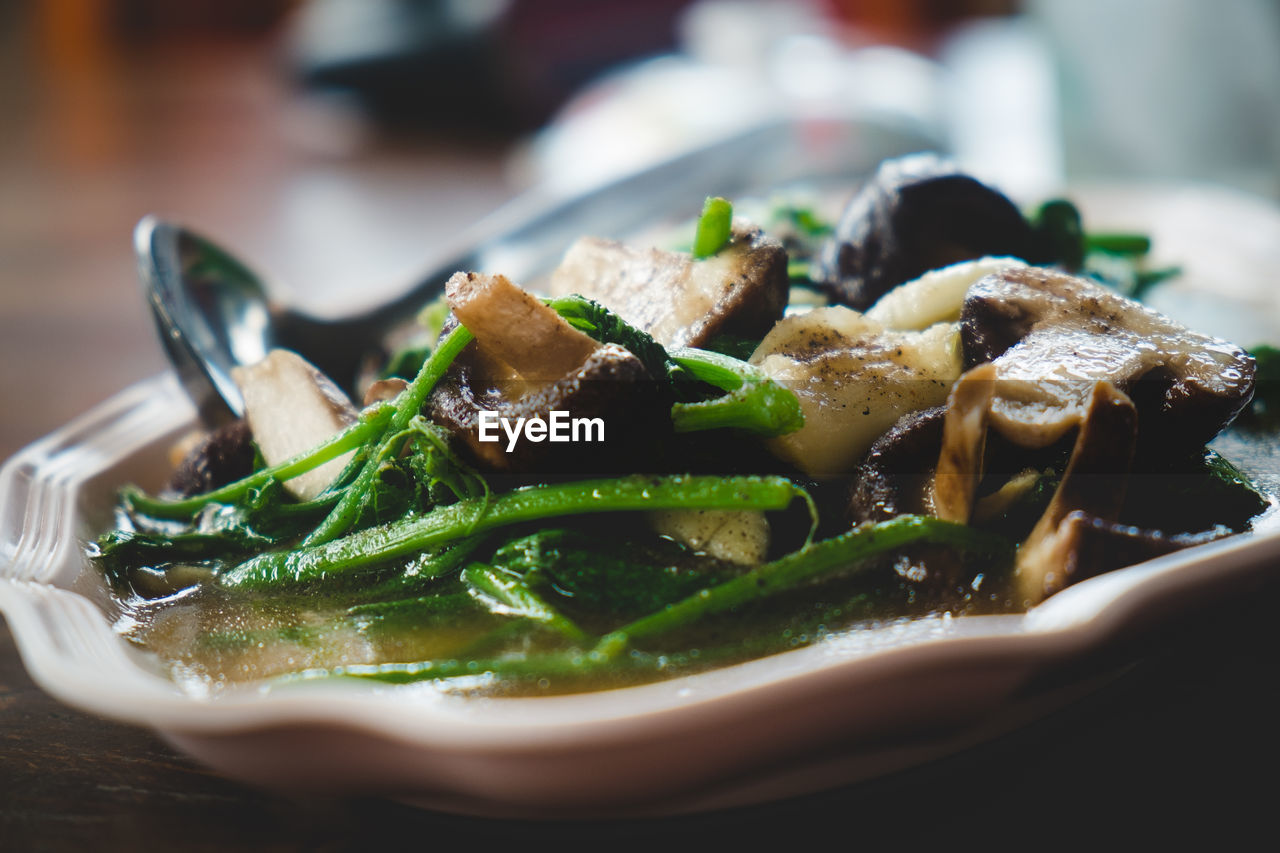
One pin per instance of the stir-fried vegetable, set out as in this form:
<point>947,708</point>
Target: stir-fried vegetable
<point>654,507</point>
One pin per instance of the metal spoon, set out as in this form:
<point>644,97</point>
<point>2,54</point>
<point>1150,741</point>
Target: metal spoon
<point>213,313</point>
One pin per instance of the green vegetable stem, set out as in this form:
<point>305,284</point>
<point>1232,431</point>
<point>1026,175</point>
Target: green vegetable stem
<point>754,403</point>
<point>850,552</point>
<point>372,423</point>
<point>407,406</point>
<point>378,545</point>
<point>849,549</point>
<point>714,227</point>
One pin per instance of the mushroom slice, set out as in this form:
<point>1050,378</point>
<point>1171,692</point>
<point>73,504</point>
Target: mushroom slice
<point>529,364</point>
<point>964,435</point>
<point>384,390</point>
<point>896,476</point>
<point>515,327</point>
<point>1052,336</point>
<point>935,297</point>
<point>1092,486</point>
<point>854,380</point>
<point>213,460</point>
<point>291,407</point>
<point>740,290</point>
<point>612,385</point>
<point>734,536</point>
<point>1091,546</point>
<point>917,213</point>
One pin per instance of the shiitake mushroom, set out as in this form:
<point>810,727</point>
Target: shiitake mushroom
<point>917,213</point>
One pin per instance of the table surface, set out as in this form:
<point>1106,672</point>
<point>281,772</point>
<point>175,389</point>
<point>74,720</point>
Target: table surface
<point>1183,745</point>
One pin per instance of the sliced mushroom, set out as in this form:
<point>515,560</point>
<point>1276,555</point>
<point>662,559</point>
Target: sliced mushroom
<point>740,290</point>
<point>291,407</point>
<point>917,213</point>
<point>733,536</point>
<point>384,389</point>
<point>935,297</point>
<point>515,327</point>
<point>1089,546</point>
<point>896,475</point>
<point>1052,336</point>
<point>854,380</point>
<point>612,385</point>
<point>528,363</point>
<point>1092,486</point>
<point>964,439</point>
<point>215,459</point>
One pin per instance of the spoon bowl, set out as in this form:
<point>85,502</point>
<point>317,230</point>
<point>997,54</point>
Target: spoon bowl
<point>211,312</point>
<point>214,314</point>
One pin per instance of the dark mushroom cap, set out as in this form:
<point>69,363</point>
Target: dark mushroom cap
<point>612,384</point>
<point>222,456</point>
<point>1053,335</point>
<point>896,475</point>
<point>916,214</point>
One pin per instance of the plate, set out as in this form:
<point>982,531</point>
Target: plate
<point>846,709</point>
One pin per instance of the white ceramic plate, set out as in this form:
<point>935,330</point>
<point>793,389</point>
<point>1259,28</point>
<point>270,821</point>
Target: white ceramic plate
<point>843,710</point>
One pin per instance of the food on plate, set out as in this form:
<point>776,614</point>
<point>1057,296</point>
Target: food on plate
<point>679,459</point>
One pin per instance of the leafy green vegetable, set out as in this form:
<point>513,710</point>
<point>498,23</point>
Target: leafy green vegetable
<point>371,423</point>
<point>800,272</point>
<point>839,553</point>
<point>1191,495</point>
<point>405,363</point>
<point>754,403</point>
<point>1058,234</point>
<point>1144,280</point>
<point>714,227</point>
<point>1265,406</point>
<point>803,218</point>
<point>1117,243</point>
<point>414,575</point>
<point>1116,258</point>
<point>507,594</point>
<point>610,575</point>
<point>605,326</point>
<point>734,346</point>
<point>118,551</point>
<point>406,407</point>
<point>377,545</point>
<point>844,554</point>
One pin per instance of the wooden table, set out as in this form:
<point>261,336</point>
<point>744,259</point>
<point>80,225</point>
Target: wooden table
<point>1184,745</point>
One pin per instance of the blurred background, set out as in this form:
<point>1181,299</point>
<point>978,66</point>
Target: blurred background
<point>341,145</point>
